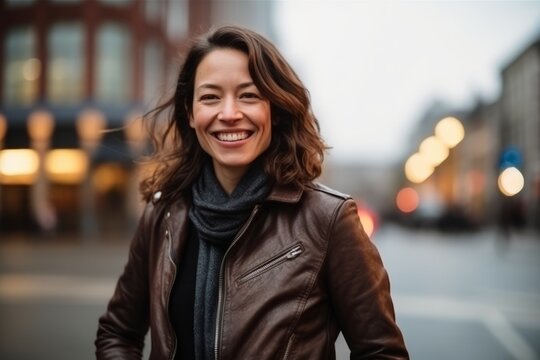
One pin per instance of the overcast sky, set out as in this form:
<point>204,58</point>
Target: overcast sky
<point>373,67</point>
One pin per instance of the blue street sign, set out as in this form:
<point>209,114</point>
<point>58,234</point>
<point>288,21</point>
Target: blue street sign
<point>511,156</point>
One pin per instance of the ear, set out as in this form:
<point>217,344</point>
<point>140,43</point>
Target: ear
<point>191,122</point>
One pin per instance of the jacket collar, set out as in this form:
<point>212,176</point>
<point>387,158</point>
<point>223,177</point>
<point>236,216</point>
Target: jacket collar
<point>280,193</point>
<point>285,193</point>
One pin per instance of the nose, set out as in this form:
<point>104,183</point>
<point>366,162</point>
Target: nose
<point>229,111</point>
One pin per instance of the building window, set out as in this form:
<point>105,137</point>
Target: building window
<point>152,9</point>
<point>177,18</point>
<point>153,71</point>
<point>65,66</point>
<point>21,69</point>
<point>113,64</point>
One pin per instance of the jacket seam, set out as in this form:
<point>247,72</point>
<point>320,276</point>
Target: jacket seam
<point>323,189</point>
<point>334,216</point>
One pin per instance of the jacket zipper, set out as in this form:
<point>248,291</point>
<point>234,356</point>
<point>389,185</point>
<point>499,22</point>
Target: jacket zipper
<point>289,254</point>
<point>219,320</point>
<point>169,239</point>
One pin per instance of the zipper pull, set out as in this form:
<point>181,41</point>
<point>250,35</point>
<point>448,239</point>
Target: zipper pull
<point>294,252</point>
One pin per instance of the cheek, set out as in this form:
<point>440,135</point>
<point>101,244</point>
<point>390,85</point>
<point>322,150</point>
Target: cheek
<point>268,137</point>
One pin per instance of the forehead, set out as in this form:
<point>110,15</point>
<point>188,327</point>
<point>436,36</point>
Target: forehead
<point>222,63</point>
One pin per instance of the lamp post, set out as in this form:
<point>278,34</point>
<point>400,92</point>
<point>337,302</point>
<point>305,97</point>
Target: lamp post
<point>90,125</point>
<point>40,126</point>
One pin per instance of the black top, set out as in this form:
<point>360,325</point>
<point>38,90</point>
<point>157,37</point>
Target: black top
<point>182,301</point>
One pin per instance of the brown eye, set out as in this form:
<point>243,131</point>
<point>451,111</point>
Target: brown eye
<point>208,97</point>
<point>249,95</point>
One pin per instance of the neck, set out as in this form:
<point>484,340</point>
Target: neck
<point>229,178</point>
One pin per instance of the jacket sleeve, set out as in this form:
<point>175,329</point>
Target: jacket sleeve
<point>122,328</point>
<point>360,291</point>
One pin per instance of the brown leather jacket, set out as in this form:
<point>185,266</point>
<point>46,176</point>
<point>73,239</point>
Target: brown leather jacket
<point>299,271</point>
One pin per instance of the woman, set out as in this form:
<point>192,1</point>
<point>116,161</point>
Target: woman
<point>239,255</point>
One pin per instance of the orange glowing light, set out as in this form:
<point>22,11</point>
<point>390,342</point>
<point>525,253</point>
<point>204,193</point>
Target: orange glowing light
<point>450,131</point>
<point>367,220</point>
<point>18,166</point>
<point>407,200</point>
<point>66,166</point>
<point>417,168</point>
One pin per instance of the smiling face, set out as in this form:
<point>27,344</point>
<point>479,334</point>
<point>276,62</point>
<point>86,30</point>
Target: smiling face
<point>230,116</point>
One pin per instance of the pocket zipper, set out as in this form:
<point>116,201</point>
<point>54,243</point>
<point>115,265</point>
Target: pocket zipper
<point>290,254</point>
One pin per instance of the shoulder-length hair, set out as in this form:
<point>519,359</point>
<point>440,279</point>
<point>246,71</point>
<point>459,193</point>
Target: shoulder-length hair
<point>296,151</point>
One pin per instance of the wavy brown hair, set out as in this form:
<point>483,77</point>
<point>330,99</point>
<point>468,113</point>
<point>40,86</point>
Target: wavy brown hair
<point>296,151</point>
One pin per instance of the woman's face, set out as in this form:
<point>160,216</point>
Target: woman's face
<point>230,117</point>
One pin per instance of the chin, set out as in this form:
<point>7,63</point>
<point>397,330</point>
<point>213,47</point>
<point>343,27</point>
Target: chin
<point>234,163</point>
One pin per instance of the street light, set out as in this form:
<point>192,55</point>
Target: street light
<point>90,125</point>
<point>135,132</point>
<point>434,150</point>
<point>418,168</point>
<point>510,181</point>
<point>450,131</point>
<point>40,127</point>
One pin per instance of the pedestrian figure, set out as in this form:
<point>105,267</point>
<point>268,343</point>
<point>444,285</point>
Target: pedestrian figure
<point>239,254</point>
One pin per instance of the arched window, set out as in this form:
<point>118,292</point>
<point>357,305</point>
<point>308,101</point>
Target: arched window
<point>65,65</point>
<point>113,64</point>
<point>21,69</point>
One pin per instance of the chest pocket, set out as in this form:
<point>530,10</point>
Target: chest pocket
<point>289,254</point>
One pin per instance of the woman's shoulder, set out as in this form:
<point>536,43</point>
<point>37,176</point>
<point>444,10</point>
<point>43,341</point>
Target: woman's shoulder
<point>324,191</point>
<point>319,198</point>
<point>307,193</point>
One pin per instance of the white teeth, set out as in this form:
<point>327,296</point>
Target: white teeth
<point>232,136</point>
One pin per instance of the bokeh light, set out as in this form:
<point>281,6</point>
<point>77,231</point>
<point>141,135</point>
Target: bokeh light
<point>407,200</point>
<point>434,150</point>
<point>18,166</point>
<point>417,168</point>
<point>368,221</point>
<point>510,181</point>
<point>66,166</point>
<point>450,131</point>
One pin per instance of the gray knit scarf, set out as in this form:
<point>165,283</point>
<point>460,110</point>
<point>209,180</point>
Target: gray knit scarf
<point>217,218</point>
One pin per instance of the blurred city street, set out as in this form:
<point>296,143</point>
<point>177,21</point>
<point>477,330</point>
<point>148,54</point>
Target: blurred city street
<point>457,295</point>
<point>431,111</point>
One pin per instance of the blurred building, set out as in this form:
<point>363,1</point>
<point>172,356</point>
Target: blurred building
<point>476,191</point>
<point>75,77</point>
<point>519,128</point>
<point>465,188</point>
<point>430,172</point>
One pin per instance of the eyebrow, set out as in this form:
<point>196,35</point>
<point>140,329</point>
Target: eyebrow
<point>217,87</point>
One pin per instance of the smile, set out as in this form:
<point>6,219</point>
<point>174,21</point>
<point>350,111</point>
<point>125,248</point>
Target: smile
<point>232,136</point>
